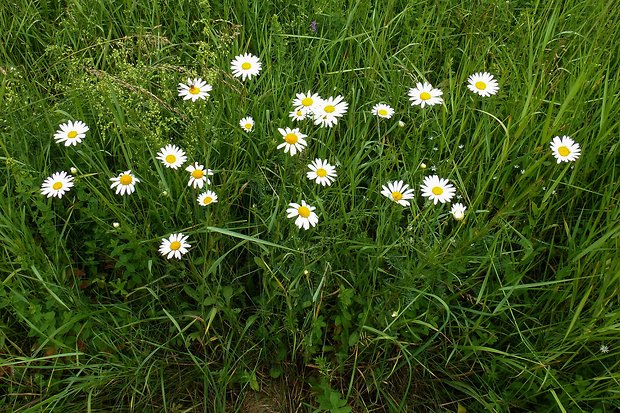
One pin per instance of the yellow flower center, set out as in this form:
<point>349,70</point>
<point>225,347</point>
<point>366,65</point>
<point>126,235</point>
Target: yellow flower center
<point>329,108</point>
<point>307,102</point>
<point>194,90</point>
<point>198,173</point>
<point>563,151</point>
<point>248,126</point>
<point>383,112</point>
<point>437,190</point>
<point>397,196</point>
<point>321,172</point>
<point>126,179</point>
<point>207,200</point>
<point>303,211</point>
<point>300,113</point>
<point>246,66</point>
<point>171,158</point>
<point>72,134</point>
<point>175,245</point>
<point>425,96</point>
<point>291,138</point>
<point>57,186</point>
<point>480,85</point>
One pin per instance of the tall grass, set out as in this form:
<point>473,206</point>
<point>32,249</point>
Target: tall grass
<point>379,307</point>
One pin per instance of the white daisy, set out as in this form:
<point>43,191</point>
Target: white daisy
<point>437,189</point>
<point>198,175</point>
<point>398,192</point>
<point>458,211</point>
<point>298,114</point>
<point>382,110</point>
<point>245,66</point>
<point>172,156</point>
<point>293,140</point>
<point>326,112</point>
<point>71,133</point>
<point>247,123</point>
<point>565,149</point>
<point>207,198</point>
<point>174,246</point>
<point>424,94</point>
<point>57,184</point>
<point>124,183</point>
<point>483,84</point>
<point>304,213</point>
<point>305,101</point>
<point>194,89</point>
<point>321,172</point>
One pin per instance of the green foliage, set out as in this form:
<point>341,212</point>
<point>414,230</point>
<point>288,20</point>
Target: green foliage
<point>379,307</point>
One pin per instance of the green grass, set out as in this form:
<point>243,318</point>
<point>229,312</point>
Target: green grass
<point>377,308</point>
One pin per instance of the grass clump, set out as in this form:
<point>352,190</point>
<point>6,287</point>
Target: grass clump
<point>378,307</point>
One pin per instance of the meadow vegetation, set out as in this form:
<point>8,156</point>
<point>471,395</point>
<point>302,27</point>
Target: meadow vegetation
<point>378,307</point>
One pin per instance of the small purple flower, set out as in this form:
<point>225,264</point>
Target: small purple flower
<point>313,25</point>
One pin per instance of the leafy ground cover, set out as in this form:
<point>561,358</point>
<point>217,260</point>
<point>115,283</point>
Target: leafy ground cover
<point>380,306</point>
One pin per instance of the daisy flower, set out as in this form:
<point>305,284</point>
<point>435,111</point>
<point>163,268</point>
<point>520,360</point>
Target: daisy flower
<point>293,140</point>
<point>483,83</point>
<point>174,246</point>
<point>382,110</point>
<point>458,211</point>
<point>437,189</point>
<point>57,184</point>
<point>124,183</point>
<point>424,94</point>
<point>71,133</point>
<point>245,66</point>
<point>304,213</point>
<point>565,149</point>
<point>326,112</point>
<point>194,89</point>
<point>321,172</point>
<point>172,156</point>
<point>198,175</point>
<point>398,192</point>
<point>247,123</point>
<point>305,101</point>
<point>207,198</point>
<point>298,114</point>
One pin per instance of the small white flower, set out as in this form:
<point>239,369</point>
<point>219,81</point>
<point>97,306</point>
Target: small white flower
<point>245,66</point>
<point>305,101</point>
<point>171,156</point>
<point>604,348</point>
<point>383,111</point>
<point>198,175</point>
<point>321,172</point>
<point>398,192</point>
<point>124,183</point>
<point>71,133</point>
<point>424,94</point>
<point>437,189</point>
<point>483,84</point>
<point>207,198</point>
<point>57,184</point>
<point>401,124</point>
<point>293,140</point>
<point>327,112</point>
<point>194,89</point>
<point>116,224</point>
<point>458,211</point>
<point>174,246</point>
<point>73,170</point>
<point>304,213</point>
<point>298,114</point>
<point>247,123</point>
<point>565,149</point>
